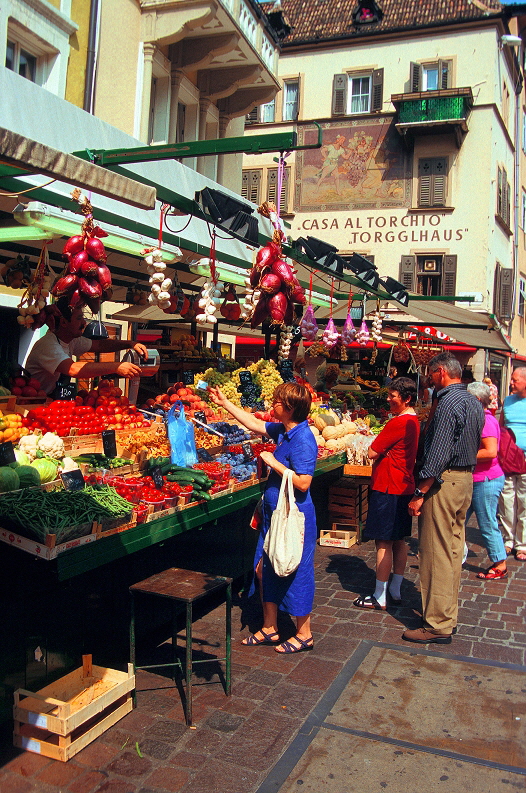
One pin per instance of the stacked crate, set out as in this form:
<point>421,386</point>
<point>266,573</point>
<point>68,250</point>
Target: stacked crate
<point>348,504</point>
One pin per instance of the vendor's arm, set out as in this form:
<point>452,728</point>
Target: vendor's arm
<point>114,345</point>
<point>87,369</point>
<point>248,420</point>
<point>300,481</point>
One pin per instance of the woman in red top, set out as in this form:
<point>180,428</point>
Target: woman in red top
<point>392,487</point>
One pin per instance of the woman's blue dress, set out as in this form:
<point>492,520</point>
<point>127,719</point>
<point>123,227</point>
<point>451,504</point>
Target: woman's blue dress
<point>298,450</point>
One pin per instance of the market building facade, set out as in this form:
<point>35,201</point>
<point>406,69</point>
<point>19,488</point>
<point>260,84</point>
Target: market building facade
<point>421,108</point>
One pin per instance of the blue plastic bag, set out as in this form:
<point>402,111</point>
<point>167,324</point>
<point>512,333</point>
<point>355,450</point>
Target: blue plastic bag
<point>181,436</point>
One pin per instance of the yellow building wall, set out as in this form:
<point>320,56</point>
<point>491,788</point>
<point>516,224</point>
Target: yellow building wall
<point>76,75</point>
<point>118,63</point>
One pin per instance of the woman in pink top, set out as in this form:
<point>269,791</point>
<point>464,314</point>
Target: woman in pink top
<point>488,481</point>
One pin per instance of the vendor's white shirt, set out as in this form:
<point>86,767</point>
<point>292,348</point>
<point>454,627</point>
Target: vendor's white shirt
<point>48,353</point>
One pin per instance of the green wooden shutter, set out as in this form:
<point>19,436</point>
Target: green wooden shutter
<point>250,184</point>
<point>415,78</point>
<point>339,94</point>
<point>504,290</point>
<point>444,74</point>
<point>407,275</point>
<point>449,275</point>
<point>432,182</point>
<point>272,188</point>
<point>377,94</point>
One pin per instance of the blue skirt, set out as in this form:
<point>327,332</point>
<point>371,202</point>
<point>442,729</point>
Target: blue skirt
<point>388,518</point>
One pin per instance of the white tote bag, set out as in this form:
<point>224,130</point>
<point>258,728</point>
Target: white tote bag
<point>284,541</point>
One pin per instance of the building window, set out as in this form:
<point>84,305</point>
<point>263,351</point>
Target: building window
<point>21,61</point>
<point>505,104</point>
<point>272,189</point>
<point>432,181</point>
<point>503,196</point>
<point>523,209</point>
<point>429,274</point>
<point>522,296</point>
<point>268,112</point>
<point>359,95</point>
<point>291,93</point>
<point>250,185</point>
<point>430,76</point>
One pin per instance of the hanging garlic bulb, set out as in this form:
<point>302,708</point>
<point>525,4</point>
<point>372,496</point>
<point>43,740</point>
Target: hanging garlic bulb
<point>285,342</point>
<point>208,298</point>
<point>330,336</point>
<point>250,301</point>
<point>362,336</point>
<point>160,285</point>
<point>376,327</point>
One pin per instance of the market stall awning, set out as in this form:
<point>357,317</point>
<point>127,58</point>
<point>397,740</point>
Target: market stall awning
<point>21,152</point>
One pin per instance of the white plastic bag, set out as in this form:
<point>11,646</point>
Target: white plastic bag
<point>284,541</point>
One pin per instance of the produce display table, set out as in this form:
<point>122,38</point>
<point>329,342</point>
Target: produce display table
<point>89,556</point>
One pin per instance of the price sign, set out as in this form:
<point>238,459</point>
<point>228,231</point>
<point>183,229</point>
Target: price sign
<point>157,476</point>
<point>221,365</point>
<point>286,370</point>
<point>188,378</point>
<point>109,443</point>
<point>200,416</point>
<point>204,456</point>
<point>7,453</point>
<point>247,451</point>
<point>245,378</point>
<point>67,391</point>
<point>73,480</point>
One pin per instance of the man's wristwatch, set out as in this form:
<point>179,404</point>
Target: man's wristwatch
<point>418,493</point>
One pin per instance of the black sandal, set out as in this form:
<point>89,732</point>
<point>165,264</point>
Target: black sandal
<point>368,602</point>
<point>252,641</point>
<point>289,648</point>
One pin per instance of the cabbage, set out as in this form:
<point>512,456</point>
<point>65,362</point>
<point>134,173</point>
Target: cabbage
<point>46,468</point>
<point>21,457</point>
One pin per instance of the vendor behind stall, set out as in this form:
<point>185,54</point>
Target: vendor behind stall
<point>52,355</point>
<point>326,377</point>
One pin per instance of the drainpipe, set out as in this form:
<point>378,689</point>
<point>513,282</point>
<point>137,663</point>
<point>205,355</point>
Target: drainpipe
<point>91,57</point>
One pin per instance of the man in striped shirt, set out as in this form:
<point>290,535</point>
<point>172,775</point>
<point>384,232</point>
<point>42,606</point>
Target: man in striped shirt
<point>442,498</point>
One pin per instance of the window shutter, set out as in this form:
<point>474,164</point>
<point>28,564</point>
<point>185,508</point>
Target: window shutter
<point>449,275</point>
<point>250,184</point>
<point>415,78</point>
<point>407,272</point>
<point>272,188</point>
<point>432,182</point>
<point>377,94</point>
<point>508,200</point>
<point>444,74</point>
<point>339,94</point>
<point>504,291</point>
<point>439,182</point>
<point>499,192</point>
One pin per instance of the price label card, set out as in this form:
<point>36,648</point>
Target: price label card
<point>73,480</point>
<point>200,416</point>
<point>247,450</point>
<point>67,391</point>
<point>221,365</point>
<point>188,378</point>
<point>7,453</point>
<point>202,385</point>
<point>157,476</point>
<point>109,443</point>
<point>204,456</point>
<point>286,370</point>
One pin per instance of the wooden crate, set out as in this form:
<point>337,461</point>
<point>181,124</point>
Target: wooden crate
<point>339,537</point>
<point>67,715</point>
<point>348,500</point>
<point>357,470</point>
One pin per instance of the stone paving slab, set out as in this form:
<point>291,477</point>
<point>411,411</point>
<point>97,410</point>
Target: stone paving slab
<point>237,741</point>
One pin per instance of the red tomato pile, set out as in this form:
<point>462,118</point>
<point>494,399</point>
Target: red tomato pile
<point>219,472</point>
<point>104,413</point>
<point>257,448</point>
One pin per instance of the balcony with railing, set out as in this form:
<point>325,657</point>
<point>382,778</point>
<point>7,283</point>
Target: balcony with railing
<point>434,112</point>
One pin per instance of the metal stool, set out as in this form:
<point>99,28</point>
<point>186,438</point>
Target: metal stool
<point>185,586</point>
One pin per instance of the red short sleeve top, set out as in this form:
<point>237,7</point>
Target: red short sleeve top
<point>397,446</point>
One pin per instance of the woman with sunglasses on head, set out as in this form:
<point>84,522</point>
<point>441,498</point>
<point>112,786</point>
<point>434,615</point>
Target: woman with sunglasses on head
<point>296,449</point>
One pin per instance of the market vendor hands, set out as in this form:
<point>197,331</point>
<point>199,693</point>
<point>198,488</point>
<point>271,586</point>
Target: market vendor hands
<point>414,506</point>
<point>129,370</point>
<point>141,350</point>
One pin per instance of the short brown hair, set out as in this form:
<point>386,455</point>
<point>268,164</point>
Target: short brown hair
<point>295,398</point>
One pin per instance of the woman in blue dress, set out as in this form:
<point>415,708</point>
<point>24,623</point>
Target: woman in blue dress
<point>296,449</point>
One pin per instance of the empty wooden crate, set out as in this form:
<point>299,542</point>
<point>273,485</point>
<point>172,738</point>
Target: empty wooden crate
<point>65,716</point>
<point>348,501</point>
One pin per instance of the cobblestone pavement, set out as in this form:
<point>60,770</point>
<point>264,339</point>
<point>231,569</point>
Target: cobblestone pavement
<point>237,741</point>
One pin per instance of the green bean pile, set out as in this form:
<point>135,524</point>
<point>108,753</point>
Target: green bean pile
<point>61,512</point>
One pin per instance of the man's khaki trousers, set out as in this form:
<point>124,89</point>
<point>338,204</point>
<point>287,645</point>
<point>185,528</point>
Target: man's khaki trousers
<point>441,547</point>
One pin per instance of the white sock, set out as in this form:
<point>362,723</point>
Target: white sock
<point>394,586</point>
<point>380,592</point>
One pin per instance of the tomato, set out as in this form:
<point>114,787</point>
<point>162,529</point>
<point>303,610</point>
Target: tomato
<point>102,400</point>
<point>124,401</point>
<point>100,410</point>
<point>112,402</point>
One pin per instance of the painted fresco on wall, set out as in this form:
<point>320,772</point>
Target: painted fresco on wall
<point>361,165</point>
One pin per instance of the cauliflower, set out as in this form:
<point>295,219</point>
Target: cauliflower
<point>69,464</point>
<point>28,445</point>
<point>51,445</point>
